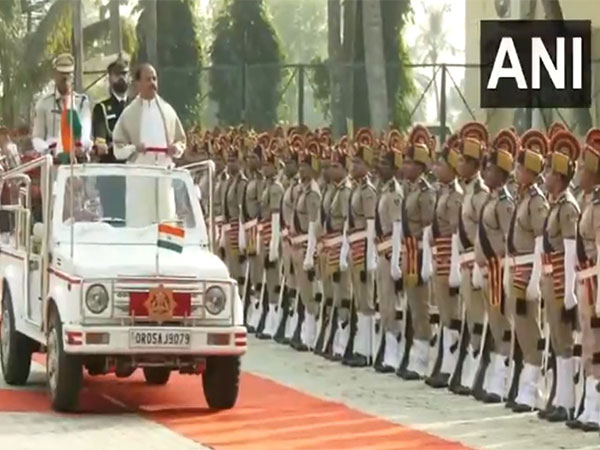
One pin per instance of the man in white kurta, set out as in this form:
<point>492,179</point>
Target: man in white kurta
<point>148,133</point>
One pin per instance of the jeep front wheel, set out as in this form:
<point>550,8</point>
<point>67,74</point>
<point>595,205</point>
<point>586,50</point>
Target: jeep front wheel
<point>64,372</point>
<point>15,348</point>
<point>221,381</point>
<point>157,376</point>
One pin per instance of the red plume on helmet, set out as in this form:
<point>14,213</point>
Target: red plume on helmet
<point>475,130</point>
<point>555,128</point>
<point>420,135</point>
<point>536,141</point>
<point>506,140</point>
<point>565,142</point>
<point>364,137</point>
<point>592,139</point>
<point>395,140</point>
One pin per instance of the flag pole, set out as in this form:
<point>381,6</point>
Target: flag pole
<point>158,223</point>
<point>71,163</point>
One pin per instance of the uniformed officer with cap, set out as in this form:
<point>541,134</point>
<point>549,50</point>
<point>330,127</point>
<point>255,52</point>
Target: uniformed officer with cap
<point>446,280</point>
<point>63,118</point>
<point>473,143</point>
<point>417,217</point>
<point>525,247</point>
<point>388,226</point>
<point>587,282</point>
<point>490,252</point>
<point>362,257</point>
<point>558,279</point>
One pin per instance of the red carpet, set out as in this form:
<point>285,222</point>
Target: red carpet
<point>268,416</point>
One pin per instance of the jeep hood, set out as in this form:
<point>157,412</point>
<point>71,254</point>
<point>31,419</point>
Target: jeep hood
<point>110,261</point>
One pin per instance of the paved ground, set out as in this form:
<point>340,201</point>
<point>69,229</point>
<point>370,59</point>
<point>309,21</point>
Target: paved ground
<point>386,396</point>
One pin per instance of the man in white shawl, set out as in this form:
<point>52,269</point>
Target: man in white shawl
<point>148,133</point>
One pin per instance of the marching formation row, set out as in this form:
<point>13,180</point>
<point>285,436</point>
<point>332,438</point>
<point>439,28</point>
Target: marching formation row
<point>472,266</point>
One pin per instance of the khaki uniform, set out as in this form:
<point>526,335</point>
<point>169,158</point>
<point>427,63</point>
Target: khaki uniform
<point>527,224</point>
<point>475,195</point>
<point>288,202</point>
<point>589,224</point>
<point>270,203</point>
<point>307,209</point>
<point>389,210</point>
<point>561,224</point>
<point>489,254</point>
<point>417,214</point>
<point>233,196</point>
<point>220,186</point>
<point>445,224</point>
<point>363,200</point>
<point>329,190</point>
<point>251,212</point>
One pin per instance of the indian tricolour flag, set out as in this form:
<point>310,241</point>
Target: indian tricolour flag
<point>170,237</point>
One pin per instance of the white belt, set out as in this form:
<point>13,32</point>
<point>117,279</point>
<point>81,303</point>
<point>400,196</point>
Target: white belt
<point>333,241</point>
<point>250,224</point>
<point>357,236</point>
<point>466,257</point>
<point>227,227</point>
<point>587,273</point>
<point>285,232</point>
<point>520,260</point>
<point>300,239</point>
<point>386,245</point>
<point>220,219</point>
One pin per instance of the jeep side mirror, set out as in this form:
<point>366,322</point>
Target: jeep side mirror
<point>38,232</point>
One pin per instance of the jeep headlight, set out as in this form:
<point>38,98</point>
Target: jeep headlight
<point>214,300</point>
<point>96,298</point>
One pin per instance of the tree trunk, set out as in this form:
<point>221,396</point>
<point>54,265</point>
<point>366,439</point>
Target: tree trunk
<point>151,32</point>
<point>334,44</point>
<point>115,27</point>
<point>375,65</point>
<point>348,49</point>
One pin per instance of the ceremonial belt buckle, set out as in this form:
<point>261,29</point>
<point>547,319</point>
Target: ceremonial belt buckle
<point>384,246</point>
<point>227,227</point>
<point>547,269</point>
<point>586,273</point>
<point>250,224</point>
<point>331,242</point>
<point>220,219</point>
<point>299,239</point>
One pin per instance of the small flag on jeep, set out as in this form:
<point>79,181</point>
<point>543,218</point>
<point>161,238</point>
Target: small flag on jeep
<point>170,237</point>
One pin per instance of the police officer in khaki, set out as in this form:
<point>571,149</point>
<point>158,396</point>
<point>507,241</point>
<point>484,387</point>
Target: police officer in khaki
<point>51,120</point>
<point>446,280</point>
<point>250,216</point>
<point>304,235</point>
<point>417,217</point>
<point>221,178</point>
<point>490,248</point>
<point>269,240</point>
<point>587,281</point>
<point>292,186</point>
<point>388,226</point>
<point>338,336</point>
<point>360,235</point>
<point>233,196</point>
<point>525,247</point>
<point>558,279</point>
<point>473,143</point>
<point>327,188</point>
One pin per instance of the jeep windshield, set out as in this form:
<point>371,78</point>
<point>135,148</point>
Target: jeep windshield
<point>123,204</point>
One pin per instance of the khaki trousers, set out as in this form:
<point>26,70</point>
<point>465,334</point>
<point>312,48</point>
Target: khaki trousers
<point>561,331</point>
<point>448,305</point>
<point>273,283</point>
<point>474,304</point>
<point>232,259</point>
<point>498,322</point>
<point>288,264</point>
<point>526,316</point>
<point>389,299</point>
<point>304,285</point>
<point>362,288</point>
<point>590,329</point>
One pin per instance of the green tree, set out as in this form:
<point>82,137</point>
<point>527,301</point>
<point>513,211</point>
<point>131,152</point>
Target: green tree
<point>179,55</point>
<point>246,59</point>
<point>32,33</point>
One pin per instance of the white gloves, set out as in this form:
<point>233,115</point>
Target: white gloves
<point>275,235</point>
<point>371,249</point>
<point>221,232</point>
<point>427,267</point>
<point>40,146</point>
<point>345,250</point>
<point>309,257</point>
<point>533,287</point>
<point>242,236</point>
<point>454,277</point>
<point>570,274</point>
<point>477,277</point>
<point>395,264</point>
<point>506,275</point>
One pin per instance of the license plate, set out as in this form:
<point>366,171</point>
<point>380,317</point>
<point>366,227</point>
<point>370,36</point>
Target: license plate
<point>159,338</point>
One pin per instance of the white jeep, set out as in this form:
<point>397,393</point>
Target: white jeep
<point>109,267</point>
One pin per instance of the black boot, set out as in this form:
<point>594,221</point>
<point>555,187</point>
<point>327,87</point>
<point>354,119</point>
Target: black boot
<point>327,311</point>
<point>296,342</point>
<point>285,308</point>
<point>260,329</point>
<point>559,414</point>
<point>328,350</point>
<point>438,381</point>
